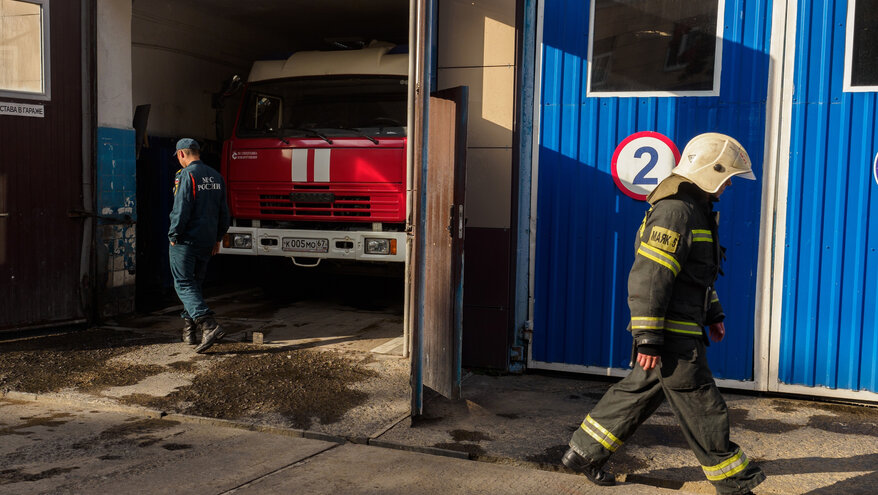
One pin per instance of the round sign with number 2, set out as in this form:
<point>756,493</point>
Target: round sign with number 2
<point>641,161</point>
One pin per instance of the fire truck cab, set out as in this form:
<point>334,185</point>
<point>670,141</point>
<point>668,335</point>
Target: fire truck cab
<point>316,164</point>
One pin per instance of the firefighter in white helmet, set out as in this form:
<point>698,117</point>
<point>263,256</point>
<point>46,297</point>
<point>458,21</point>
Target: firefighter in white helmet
<point>672,299</point>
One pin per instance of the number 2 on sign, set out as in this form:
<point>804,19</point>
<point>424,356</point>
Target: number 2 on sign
<point>641,178</point>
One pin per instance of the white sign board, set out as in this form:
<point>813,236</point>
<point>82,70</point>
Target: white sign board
<point>641,161</point>
<point>22,110</point>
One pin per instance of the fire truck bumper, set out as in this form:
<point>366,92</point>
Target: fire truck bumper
<point>318,244</point>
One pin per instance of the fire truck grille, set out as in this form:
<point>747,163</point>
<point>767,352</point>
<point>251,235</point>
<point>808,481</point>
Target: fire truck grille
<point>339,206</point>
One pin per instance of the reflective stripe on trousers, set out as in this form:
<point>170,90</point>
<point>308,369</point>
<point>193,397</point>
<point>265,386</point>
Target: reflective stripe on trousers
<point>729,467</point>
<point>601,434</point>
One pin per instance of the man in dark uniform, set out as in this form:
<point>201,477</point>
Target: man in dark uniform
<point>199,220</point>
<point>672,298</point>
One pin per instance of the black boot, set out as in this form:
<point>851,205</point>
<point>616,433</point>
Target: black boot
<point>210,332</point>
<point>591,471</point>
<point>189,331</point>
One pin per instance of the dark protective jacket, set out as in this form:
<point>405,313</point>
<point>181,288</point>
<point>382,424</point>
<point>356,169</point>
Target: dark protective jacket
<point>677,261</point>
<point>200,216</point>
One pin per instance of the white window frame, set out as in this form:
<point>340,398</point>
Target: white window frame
<point>849,54</point>
<point>45,94</point>
<point>717,64</point>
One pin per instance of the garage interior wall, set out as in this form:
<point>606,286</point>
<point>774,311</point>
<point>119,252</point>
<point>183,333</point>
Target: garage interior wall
<point>115,177</point>
<point>182,54</point>
<point>476,48</point>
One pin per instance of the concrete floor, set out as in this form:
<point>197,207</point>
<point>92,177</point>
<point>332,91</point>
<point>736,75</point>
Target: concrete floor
<point>520,423</point>
<point>50,448</point>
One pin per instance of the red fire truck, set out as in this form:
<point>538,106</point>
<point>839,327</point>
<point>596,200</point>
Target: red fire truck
<point>316,165</point>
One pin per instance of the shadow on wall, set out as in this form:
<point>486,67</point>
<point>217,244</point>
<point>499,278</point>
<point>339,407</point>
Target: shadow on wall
<point>586,225</point>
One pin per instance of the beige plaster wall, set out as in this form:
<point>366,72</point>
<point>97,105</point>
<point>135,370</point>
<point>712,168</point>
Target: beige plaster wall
<point>476,45</point>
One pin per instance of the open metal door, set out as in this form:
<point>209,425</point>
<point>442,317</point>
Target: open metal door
<point>439,276</point>
<point>443,291</point>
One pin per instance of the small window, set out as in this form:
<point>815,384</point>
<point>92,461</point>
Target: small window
<point>861,47</point>
<point>24,71</point>
<point>655,48</point>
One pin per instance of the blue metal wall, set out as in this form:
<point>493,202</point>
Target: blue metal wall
<point>585,225</point>
<point>829,329</point>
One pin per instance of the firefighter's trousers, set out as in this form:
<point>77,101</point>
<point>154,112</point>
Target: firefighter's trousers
<point>685,379</point>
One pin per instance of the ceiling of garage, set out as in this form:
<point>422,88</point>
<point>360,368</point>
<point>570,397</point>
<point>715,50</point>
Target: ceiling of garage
<point>315,24</point>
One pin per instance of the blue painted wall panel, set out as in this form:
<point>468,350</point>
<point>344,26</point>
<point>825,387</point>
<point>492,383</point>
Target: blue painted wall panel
<point>829,331</point>
<point>585,225</point>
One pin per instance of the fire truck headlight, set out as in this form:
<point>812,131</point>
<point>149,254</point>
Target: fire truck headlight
<point>242,241</point>
<point>380,246</point>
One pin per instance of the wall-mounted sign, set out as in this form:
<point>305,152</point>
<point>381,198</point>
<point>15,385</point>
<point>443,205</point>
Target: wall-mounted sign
<point>641,161</point>
<point>22,109</point>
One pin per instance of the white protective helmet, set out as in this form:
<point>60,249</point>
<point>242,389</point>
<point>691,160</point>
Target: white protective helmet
<point>710,159</point>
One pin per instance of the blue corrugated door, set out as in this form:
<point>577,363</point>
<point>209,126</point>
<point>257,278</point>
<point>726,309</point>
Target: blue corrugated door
<point>586,226</point>
<point>829,329</point>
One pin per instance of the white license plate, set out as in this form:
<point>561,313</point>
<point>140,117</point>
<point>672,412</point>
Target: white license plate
<point>303,245</point>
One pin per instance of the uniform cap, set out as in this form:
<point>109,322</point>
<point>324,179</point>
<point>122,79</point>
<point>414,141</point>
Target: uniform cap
<point>187,144</point>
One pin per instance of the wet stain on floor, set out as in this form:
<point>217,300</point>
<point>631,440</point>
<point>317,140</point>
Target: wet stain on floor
<point>34,421</point>
<point>468,436</point>
<point>549,457</point>
<point>419,421</point>
<point>176,446</point>
<point>184,366</point>
<point>846,424</point>
<point>470,448</point>
<point>9,476</point>
<point>136,432</point>
<point>31,365</point>
<point>738,418</point>
<point>252,381</point>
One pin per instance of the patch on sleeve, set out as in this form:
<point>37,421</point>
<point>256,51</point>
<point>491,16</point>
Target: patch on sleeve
<point>664,239</point>
<point>176,184</point>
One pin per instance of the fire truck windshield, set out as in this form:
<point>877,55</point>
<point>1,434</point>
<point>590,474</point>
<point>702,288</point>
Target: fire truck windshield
<point>330,106</point>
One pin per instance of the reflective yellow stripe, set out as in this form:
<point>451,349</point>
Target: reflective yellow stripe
<point>659,257</point>
<point>702,235</point>
<point>684,327</point>
<point>647,323</point>
<point>730,467</point>
<point>714,298</point>
<point>600,434</point>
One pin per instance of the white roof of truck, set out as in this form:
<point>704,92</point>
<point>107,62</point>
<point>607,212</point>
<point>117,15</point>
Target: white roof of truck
<point>372,60</point>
